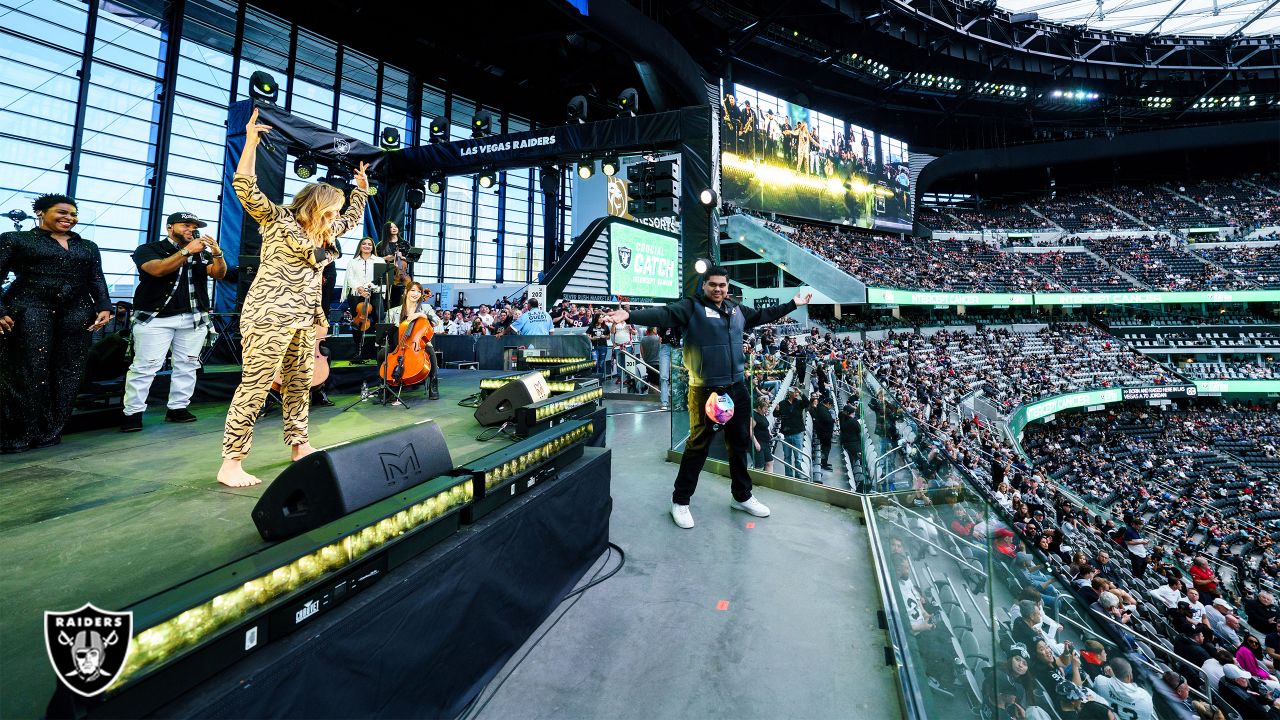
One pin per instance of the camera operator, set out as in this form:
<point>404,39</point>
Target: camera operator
<point>171,306</point>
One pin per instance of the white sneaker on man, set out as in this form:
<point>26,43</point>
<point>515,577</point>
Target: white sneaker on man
<point>682,516</point>
<point>752,505</point>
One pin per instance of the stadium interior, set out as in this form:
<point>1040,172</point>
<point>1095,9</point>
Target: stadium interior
<point>1043,247</point>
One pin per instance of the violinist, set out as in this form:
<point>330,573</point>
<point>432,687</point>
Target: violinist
<point>415,306</point>
<point>392,251</point>
<point>359,289</point>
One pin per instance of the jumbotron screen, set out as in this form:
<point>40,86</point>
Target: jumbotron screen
<point>785,158</point>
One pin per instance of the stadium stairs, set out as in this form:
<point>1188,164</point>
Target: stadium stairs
<point>808,268</point>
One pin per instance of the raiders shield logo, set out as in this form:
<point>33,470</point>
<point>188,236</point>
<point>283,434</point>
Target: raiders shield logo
<point>341,146</point>
<point>624,256</point>
<point>88,647</point>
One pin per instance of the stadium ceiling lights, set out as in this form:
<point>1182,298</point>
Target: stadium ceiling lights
<point>1076,95</point>
<point>1158,17</point>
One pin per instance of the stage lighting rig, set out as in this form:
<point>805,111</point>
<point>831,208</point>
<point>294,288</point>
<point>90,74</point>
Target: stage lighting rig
<point>339,176</point>
<point>481,124</point>
<point>435,183</point>
<point>628,102</point>
<point>16,217</point>
<point>415,194</point>
<point>486,178</point>
<point>573,405</point>
<point>609,165</point>
<point>709,198</point>
<point>700,265</point>
<point>438,130</point>
<point>586,168</point>
<point>577,109</point>
<point>262,86</point>
<point>390,138</point>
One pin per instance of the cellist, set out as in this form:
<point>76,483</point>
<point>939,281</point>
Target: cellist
<point>358,288</point>
<point>415,306</point>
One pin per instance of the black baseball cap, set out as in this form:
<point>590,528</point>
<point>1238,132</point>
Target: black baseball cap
<point>185,217</point>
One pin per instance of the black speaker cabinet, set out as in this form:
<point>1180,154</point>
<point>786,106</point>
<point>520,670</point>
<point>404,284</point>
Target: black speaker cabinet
<point>501,404</point>
<point>329,484</point>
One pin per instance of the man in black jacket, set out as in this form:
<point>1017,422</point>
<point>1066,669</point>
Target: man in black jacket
<point>790,413</point>
<point>713,327</point>
<point>824,426</point>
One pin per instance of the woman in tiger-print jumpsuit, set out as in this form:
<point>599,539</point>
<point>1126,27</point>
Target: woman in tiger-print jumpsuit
<point>284,305</point>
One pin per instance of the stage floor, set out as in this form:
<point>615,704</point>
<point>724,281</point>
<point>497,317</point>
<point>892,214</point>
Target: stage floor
<point>112,518</point>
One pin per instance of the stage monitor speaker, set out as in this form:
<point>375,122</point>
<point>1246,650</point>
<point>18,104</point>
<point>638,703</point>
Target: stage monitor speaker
<point>501,404</point>
<point>329,484</point>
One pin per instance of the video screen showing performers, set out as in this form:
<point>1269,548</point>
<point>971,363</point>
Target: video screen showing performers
<point>789,159</point>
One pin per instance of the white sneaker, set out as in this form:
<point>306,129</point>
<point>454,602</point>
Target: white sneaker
<point>682,516</point>
<point>752,505</point>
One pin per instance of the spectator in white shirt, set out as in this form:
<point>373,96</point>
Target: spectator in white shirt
<point>1169,593</point>
<point>1119,691</point>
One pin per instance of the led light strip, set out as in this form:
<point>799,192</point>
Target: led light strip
<point>551,408</point>
<point>526,461</point>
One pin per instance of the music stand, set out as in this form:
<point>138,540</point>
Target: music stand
<point>386,335</point>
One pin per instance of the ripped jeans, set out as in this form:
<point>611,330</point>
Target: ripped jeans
<point>152,341</point>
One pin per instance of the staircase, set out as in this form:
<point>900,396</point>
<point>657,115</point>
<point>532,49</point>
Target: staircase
<point>808,268</point>
<point>1044,217</point>
<point>1136,220</point>
<point>1115,269</point>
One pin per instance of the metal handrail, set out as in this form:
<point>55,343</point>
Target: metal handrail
<point>639,361</point>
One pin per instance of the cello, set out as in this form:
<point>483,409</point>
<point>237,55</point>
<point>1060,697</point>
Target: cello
<point>409,363</point>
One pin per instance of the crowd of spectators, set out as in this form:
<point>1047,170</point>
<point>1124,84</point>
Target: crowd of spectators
<point>1237,202</point>
<point>1258,266</point>
<point>1162,263</point>
<point>1231,371</point>
<point>1078,272</point>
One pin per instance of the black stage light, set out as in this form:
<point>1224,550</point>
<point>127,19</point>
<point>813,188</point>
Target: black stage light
<point>709,198</point>
<point>339,176</point>
<point>701,265</point>
<point>390,138</point>
<point>415,195</point>
<point>435,183</point>
<point>609,165</point>
<point>577,109</point>
<point>629,101</point>
<point>305,167</point>
<point>438,129</point>
<point>263,87</point>
<point>586,168</point>
<point>481,123</point>
<point>486,178</point>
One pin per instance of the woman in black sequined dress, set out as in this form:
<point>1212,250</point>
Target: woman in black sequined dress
<point>58,297</point>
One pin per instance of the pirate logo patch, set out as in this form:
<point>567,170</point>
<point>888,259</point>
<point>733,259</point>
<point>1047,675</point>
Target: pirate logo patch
<point>624,256</point>
<point>341,146</point>
<point>88,647</point>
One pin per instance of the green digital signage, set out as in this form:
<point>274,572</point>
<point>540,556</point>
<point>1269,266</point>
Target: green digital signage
<point>643,263</point>
<point>888,296</point>
<point>1227,387</point>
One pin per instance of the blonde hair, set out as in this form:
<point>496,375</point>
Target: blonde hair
<point>309,206</point>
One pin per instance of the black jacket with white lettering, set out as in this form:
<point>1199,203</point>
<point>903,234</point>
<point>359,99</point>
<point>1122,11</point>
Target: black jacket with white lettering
<point>712,335</point>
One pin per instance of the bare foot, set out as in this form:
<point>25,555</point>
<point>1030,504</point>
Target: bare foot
<point>301,451</point>
<point>232,474</point>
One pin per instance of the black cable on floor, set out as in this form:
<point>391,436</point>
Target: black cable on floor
<point>493,432</point>
<point>472,710</point>
<point>472,400</point>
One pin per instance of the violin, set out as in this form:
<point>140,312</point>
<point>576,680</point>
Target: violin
<point>363,319</point>
<point>410,363</point>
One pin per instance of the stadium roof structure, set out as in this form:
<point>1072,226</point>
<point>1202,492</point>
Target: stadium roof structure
<point>1215,18</point>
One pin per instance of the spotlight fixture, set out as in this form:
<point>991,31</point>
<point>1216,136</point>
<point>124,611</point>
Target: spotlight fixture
<point>262,86</point>
<point>435,183</point>
<point>415,195</point>
<point>481,124</point>
<point>700,265</point>
<point>628,101</point>
<point>709,198</point>
<point>586,168</point>
<point>304,167</point>
<point>339,176</point>
<point>438,130</point>
<point>577,109</point>
<point>390,138</point>
<point>486,178</point>
<point>609,165</point>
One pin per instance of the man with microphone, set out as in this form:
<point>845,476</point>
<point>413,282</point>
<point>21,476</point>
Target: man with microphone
<point>170,315</point>
<point>713,327</point>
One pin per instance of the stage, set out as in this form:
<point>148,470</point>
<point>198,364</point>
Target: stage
<point>111,518</point>
<point>739,617</point>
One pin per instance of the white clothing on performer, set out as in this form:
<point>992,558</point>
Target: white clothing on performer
<point>184,335</point>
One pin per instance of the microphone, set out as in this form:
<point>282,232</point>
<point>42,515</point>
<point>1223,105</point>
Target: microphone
<point>206,255</point>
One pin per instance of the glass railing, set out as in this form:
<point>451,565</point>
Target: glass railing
<point>806,266</point>
<point>979,618</point>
